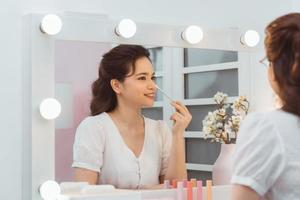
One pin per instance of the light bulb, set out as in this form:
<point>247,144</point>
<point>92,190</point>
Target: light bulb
<point>51,24</point>
<point>192,34</point>
<point>49,190</point>
<point>126,28</point>
<point>250,38</point>
<point>50,108</point>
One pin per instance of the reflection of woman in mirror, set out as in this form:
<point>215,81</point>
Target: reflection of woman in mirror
<point>117,145</point>
<point>267,158</point>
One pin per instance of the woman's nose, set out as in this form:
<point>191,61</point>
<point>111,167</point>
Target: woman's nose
<point>152,85</point>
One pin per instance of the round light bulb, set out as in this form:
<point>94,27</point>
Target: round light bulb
<point>126,28</point>
<point>49,190</point>
<point>51,24</point>
<point>50,108</point>
<point>192,34</point>
<point>250,38</point>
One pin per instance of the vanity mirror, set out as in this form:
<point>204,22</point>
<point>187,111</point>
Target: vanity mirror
<point>64,65</point>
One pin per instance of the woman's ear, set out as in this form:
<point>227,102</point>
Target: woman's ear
<point>115,85</point>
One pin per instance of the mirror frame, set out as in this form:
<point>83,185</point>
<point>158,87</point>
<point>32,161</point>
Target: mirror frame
<point>39,79</point>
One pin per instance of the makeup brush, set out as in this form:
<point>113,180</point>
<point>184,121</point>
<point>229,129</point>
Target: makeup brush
<point>164,93</point>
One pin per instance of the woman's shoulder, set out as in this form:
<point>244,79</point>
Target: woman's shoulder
<point>254,119</point>
<point>96,121</point>
<point>267,126</point>
<point>274,117</point>
<point>259,115</point>
<point>256,124</point>
<point>93,128</point>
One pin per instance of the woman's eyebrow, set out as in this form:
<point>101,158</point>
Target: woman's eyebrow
<point>144,73</point>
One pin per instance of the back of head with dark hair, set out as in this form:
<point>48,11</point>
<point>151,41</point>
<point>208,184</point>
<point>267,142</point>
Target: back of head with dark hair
<point>283,51</point>
<point>115,64</point>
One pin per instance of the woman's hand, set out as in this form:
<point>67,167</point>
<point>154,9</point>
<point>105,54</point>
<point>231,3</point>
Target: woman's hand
<point>181,117</point>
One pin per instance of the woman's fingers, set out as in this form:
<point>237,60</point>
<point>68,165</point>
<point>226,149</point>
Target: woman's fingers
<point>182,109</point>
<point>176,116</point>
<point>182,105</point>
<point>181,117</point>
<point>179,107</point>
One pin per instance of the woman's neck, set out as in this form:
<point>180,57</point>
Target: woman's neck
<point>127,116</point>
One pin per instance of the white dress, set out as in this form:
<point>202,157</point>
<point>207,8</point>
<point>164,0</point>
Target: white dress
<point>267,156</point>
<point>99,147</point>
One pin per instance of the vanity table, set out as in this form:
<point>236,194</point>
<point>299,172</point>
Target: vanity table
<point>218,193</point>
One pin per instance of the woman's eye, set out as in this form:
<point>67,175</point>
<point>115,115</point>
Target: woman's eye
<point>153,78</point>
<point>142,78</point>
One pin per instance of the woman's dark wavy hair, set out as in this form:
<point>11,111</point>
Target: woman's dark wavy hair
<point>282,44</point>
<point>115,64</point>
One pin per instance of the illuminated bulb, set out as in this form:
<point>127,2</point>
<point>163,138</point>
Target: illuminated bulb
<point>192,34</point>
<point>51,24</point>
<point>50,108</point>
<point>126,28</point>
<point>250,38</point>
<point>49,190</point>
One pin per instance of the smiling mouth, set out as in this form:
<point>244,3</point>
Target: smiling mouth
<point>150,95</point>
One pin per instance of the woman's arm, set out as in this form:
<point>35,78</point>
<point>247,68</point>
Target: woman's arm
<point>177,167</point>
<point>240,192</point>
<point>85,175</point>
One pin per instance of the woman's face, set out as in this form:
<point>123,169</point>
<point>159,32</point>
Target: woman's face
<point>139,88</point>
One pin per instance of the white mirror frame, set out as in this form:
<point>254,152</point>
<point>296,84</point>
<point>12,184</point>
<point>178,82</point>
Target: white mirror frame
<point>39,80</point>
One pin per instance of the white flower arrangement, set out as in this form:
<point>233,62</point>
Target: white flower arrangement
<point>221,125</point>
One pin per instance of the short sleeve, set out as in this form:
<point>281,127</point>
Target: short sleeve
<point>89,145</point>
<point>259,155</point>
<point>166,147</point>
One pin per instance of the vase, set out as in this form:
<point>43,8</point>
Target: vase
<point>222,170</point>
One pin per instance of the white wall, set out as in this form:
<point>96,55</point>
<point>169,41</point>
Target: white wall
<point>10,101</point>
<point>295,5</point>
<point>209,13</point>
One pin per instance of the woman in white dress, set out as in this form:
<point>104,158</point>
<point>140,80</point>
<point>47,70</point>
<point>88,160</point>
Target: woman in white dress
<point>117,145</point>
<point>267,157</point>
